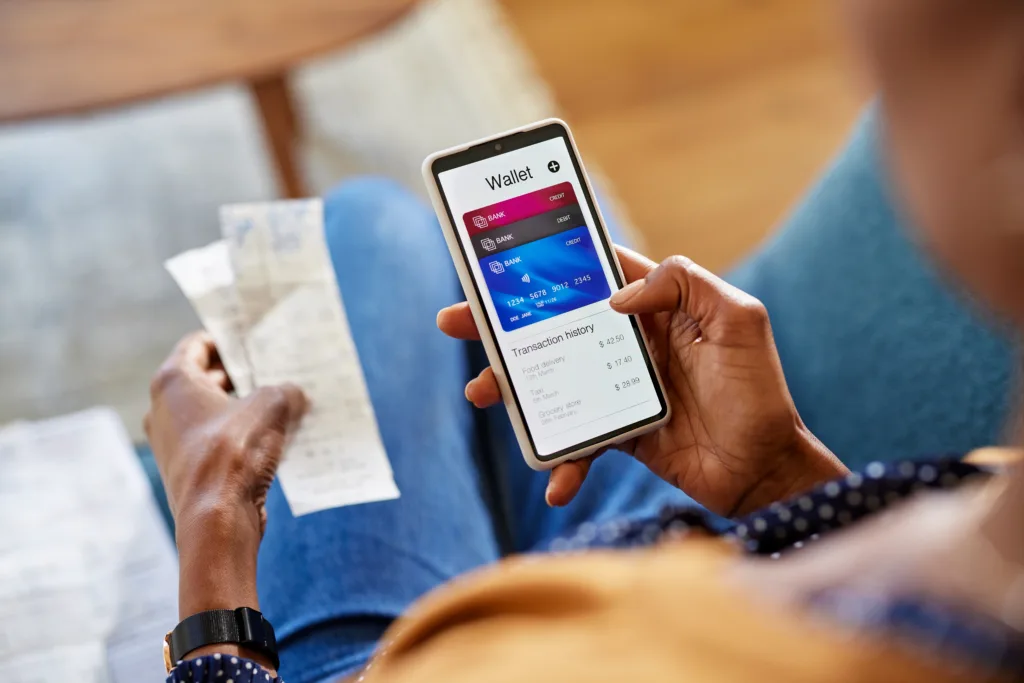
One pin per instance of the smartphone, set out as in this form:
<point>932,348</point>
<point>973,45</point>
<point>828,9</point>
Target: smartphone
<point>538,267</point>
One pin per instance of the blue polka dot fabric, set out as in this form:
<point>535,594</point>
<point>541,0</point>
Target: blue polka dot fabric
<point>788,525</point>
<point>836,504</point>
<point>218,668</point>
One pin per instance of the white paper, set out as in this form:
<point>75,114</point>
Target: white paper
<point>88,572</point>
<point>206,278</point>
<point>269,298</point>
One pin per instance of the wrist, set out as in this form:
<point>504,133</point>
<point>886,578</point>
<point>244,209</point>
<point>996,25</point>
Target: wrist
<point>806,463</point>
<point>217,516</point>
<point>217,549</point>
<point>813,464</point>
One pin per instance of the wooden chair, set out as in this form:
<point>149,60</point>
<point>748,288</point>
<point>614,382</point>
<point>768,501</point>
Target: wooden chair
<point>61,57</point>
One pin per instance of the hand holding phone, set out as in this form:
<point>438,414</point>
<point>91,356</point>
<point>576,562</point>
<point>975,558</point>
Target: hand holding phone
<point>702,401</point>
<point>735,442</point>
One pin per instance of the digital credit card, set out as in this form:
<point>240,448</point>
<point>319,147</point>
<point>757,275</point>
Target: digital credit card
<point>545,278</point>
<point>537,256</point>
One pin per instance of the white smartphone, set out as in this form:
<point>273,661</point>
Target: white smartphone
<point>538,268</point>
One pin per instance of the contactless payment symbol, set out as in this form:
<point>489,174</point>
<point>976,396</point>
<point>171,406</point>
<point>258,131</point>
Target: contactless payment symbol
<point>480,222</point>
<point>497,268</point>
<point>488,244</point>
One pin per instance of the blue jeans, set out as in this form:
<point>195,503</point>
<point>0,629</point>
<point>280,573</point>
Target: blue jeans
<point>900,375</point>
<point>331,582</point>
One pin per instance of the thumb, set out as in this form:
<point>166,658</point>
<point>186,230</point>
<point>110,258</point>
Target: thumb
<point>680,285</point>
<point>634,266</point>
<point>565,481</point>
<point>278,408</point>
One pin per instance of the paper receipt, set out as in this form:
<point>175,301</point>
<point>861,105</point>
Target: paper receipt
<point>206,278</point>
<point>268,296</point>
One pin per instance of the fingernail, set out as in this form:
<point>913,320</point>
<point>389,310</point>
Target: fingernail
<point>626,293</point>
<point>549,492</point>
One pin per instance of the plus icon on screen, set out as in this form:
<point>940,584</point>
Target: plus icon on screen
<point>553,166</point>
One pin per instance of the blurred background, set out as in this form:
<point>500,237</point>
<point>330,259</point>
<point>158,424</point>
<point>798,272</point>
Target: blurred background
<point>126,123</point>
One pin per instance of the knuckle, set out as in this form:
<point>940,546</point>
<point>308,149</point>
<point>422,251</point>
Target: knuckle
<point>677,263</point>
<point>165,377</point>
<point>224,444</point>
<point>751,310</point>
<point>275,400</point>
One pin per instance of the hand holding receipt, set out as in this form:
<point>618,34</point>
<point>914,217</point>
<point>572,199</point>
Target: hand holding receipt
<point>268,296</point>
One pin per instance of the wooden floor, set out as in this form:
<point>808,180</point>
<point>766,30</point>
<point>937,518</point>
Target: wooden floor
<point>710,116</point>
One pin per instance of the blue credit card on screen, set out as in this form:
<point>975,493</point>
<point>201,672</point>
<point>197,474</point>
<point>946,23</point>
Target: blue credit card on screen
<point>545,278</point>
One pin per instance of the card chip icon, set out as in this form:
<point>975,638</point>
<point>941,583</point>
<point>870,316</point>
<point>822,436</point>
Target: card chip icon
<point>480,221</point>
<point>488,244</point>
<point>497,268</point>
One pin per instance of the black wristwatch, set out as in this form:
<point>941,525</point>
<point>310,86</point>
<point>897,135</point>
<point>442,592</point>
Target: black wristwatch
<point>244,627</point>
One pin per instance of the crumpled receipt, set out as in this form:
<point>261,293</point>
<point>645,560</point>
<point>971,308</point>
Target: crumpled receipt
<point>268,296</point>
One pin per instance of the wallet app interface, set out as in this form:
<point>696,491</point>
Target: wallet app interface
<point>576,365</point>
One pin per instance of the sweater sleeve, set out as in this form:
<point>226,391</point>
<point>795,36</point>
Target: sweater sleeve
<point>667,614</point>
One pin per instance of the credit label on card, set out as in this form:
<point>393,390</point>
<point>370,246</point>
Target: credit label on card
<point>537,256</point>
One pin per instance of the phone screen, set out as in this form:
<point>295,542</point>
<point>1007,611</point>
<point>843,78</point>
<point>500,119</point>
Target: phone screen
<point>529,233</point>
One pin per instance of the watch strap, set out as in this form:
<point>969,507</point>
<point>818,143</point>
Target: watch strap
<point>244,627</point>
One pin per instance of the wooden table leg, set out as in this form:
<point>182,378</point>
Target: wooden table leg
<point>281,127</point>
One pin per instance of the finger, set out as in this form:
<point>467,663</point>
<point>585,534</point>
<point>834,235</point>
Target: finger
<point>457,321</point>
<point>279,408</point>
<point>635,266</point>
<point>195,351</point>
<point>565,481</point>
<point>679,284</point>
<point>483,391</point>
<point>191,356</point>
<point>218,374</point>
<point>220,378</point>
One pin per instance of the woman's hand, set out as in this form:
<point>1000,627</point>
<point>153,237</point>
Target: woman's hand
<point>735,441</point>
<point>217,457</point>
